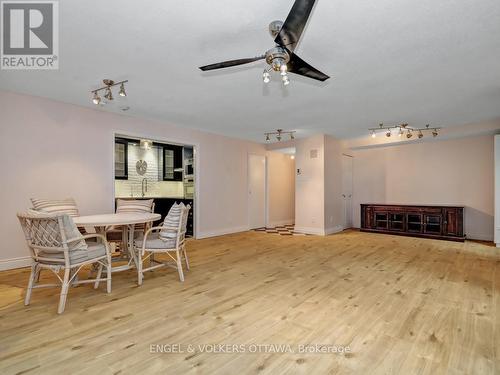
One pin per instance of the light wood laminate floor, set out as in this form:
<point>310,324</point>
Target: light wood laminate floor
<point>402,305</point>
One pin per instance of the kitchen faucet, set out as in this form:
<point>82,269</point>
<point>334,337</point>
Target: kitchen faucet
<point>144,186</point>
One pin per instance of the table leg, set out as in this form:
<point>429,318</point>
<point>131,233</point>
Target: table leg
<point>130,246</point>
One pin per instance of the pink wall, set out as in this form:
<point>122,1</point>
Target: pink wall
<point>56,150</point>
<point>458,171</point>
<point>280,189</point>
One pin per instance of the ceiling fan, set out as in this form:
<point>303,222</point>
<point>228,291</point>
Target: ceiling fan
<point>282,58</point>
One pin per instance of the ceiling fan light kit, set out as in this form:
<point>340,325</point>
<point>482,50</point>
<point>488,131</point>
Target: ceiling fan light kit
<point>281,58</point>
<point>404,129</point>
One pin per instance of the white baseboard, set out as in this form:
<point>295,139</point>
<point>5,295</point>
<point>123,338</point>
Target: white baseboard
<point>10,264</point>
<point>333,230</point>
<point>279,223</point>
<point>479,236</point>
<point>221,232</point>
<point>306,230</point>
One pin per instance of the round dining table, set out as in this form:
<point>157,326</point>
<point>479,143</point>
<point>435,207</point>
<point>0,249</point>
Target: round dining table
<point>128,221</point>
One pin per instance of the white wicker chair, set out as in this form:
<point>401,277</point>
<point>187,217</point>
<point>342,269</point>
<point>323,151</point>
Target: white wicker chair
<point>152,243</point>
<point>50,249</point>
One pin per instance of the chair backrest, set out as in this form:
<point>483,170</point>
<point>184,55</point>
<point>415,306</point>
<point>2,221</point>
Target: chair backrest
<point>64,206</point>
<point>134,206</point>
<point>181,234</point>
<point>45,237</point>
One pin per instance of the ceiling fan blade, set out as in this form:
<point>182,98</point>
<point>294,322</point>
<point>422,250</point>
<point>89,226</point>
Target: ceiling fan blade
<point>291,30</point>
<point>227,64</point>
<point>298,66</point>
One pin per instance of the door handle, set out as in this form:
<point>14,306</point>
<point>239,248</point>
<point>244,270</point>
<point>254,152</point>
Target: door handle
<point>343,195</point>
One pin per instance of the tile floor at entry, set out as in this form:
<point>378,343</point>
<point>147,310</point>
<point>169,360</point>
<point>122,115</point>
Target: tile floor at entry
<point>283,230</point>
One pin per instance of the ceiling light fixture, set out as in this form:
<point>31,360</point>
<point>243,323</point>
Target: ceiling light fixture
<point>279,135</point>
<point>402,128</point>
<point>122,90</point>
<point>146,144</point>
<point>96,99</point>
<point>266,76</point>
<point>108,94</point>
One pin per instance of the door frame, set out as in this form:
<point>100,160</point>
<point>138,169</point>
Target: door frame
<point>352,192</point>
<point>266,214</point>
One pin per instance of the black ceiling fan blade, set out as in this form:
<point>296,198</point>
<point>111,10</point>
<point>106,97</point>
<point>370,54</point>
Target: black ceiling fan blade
<point>298,66</point>
<point>291,31</point>
<point>227,64</point>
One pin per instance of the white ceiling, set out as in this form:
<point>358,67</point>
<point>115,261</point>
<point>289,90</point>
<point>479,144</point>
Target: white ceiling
<point>417,61</point>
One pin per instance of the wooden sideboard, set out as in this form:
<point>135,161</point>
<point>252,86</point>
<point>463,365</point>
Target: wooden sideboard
<point>438,222</point>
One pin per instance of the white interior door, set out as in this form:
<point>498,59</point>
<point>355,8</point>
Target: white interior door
<point>347,162</point>
<point>256,191</point>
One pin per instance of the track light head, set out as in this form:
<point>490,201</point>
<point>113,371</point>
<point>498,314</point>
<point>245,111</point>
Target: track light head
<point>122,90</point>
<point>108,95</point>
<point>96,99</point>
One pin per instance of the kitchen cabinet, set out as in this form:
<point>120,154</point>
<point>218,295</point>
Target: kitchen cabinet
<point>121,159</point>
<point>172,163</point>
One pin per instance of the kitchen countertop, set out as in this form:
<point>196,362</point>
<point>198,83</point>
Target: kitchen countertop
<point>150,197</point>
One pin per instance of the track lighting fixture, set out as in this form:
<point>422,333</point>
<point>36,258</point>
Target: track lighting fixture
<point>108,94</point>
<point>279,135</point>
<point>404,128</point>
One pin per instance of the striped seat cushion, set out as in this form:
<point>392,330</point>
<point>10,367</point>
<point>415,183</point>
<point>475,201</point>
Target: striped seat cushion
<point>63,206</point>
<point>134,206</point>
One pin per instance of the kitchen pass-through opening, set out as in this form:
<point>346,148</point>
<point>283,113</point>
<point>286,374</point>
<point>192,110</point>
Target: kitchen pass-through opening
<point>158,170</point>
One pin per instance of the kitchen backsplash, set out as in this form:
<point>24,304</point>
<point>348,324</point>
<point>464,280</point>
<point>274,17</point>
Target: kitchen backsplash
<point>156,186</point>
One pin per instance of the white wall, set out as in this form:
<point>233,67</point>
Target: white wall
<point>497,190</point>
<point>280,189</point>
<point>55,150</point>
<point>456,172</point>
<point>334,209</point>
<point>310,185</point>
